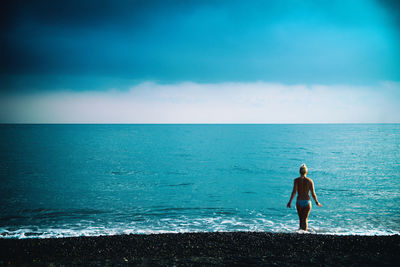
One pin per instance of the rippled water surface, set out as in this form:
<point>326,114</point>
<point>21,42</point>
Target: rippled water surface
<point>71,180</point>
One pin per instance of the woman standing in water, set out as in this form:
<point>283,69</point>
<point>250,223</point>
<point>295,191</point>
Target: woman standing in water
<point>303,185</point>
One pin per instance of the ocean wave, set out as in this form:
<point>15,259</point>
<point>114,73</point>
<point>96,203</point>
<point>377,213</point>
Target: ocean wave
<point>42,213</point>
<point>181,184</point>
<point>186,225</point>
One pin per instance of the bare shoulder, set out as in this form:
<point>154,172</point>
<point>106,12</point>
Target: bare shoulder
<point>296,180</point>
<point>309,180</point>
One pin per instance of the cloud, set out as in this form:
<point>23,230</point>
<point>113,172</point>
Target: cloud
<point>190,102</point>
<point>202,41</point>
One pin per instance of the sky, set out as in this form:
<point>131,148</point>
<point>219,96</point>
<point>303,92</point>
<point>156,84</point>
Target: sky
<point>222,61</point>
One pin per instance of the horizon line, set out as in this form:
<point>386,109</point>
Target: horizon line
<point>184,123</point>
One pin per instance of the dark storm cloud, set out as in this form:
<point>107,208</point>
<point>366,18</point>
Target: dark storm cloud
<point>83,13</point>
<point>81,44</point>
<point>37,35</point>
<point>393,8</point>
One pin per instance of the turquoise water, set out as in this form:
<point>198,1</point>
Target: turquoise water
<point>72,180</point>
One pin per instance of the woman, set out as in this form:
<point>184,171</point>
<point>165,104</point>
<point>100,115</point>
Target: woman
<point>302,185</point>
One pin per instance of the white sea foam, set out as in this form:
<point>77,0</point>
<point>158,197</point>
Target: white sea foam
<point>186,225</point>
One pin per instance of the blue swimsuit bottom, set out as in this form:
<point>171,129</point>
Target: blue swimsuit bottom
<point>303,203</point>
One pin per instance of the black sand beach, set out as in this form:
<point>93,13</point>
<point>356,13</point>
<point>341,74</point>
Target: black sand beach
<point>235,248</point>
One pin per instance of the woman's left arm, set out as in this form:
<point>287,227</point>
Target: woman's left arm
<point>314,195</point>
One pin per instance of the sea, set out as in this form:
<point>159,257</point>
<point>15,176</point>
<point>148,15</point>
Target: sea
<point>64,180</point>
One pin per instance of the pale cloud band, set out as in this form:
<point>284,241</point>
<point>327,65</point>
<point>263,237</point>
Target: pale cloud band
<point>189,102</point>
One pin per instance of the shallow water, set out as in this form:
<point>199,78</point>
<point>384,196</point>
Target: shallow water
<point>72,180</point>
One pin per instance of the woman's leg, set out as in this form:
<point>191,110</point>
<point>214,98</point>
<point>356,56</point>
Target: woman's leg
<point>300,213</point>
<point>303,213</point>
<point>306,212</point>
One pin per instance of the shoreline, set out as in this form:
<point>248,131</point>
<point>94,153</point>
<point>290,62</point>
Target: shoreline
<point>219,248</point>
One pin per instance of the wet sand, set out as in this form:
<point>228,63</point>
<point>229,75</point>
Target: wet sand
<point>194,249</point>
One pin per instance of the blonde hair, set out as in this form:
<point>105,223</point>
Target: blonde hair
<point>303,169</point>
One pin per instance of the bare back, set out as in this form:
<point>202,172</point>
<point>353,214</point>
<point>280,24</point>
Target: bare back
<point>303,186</point>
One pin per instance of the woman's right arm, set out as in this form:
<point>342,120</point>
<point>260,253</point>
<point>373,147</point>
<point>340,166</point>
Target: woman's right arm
<point>293,194</point>
<point>314,195</point>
